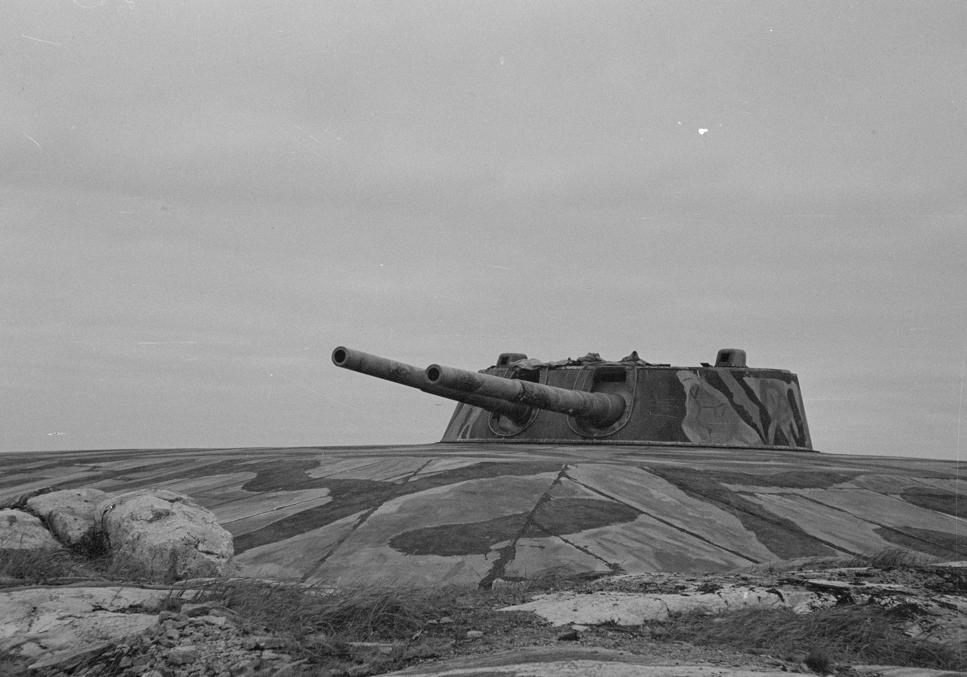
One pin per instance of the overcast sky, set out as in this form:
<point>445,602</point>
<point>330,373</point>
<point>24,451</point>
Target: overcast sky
<point>199,200</point>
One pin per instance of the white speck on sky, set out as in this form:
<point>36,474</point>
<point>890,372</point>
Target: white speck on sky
<point>198,201</point>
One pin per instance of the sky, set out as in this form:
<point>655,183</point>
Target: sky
<point>200,200</point>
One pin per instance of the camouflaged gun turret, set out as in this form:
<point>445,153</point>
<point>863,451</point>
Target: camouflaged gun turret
<point>591,400</point>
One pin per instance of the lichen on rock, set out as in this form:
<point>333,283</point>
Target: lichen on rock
<point>20,530</point>
<point>164,535</point>
<point>69,514</point>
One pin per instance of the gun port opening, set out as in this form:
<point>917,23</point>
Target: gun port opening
<point>339,356</point>
<point>433,373</point>
<point>610,376</point>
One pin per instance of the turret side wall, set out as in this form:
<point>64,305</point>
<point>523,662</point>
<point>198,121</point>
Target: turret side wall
<point>750,408</point>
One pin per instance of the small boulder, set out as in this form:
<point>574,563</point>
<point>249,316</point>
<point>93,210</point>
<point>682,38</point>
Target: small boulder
<point>69,513</point>
<point>164,535</point>
<point>22,531</point>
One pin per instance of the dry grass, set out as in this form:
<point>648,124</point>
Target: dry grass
<point>349,615</point>
<point>896,558</point>
<point>327,627</point>
<point>848,634</point>
<point>324,627</point>
<point>32,567</point>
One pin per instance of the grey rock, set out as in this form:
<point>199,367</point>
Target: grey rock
<point>264,642</point>
<point>50,624</point>
<point>20,530</point>
<point>69,513</point>
<point>182,655</point>
<point>200,609</point>
<point>165,535</point>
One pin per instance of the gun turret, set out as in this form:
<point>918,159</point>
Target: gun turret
<point>590,400</point>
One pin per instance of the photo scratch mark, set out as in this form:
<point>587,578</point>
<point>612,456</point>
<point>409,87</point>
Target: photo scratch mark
<point>165,343</point>
<point>41,40</point>
<point>32,140</point>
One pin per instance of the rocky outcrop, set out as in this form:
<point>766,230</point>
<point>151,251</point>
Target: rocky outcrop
<point>201,628</point>
<point>69,514</point>
<point>630,608</point>
<point>148,534</point>
<point>130,631</point>
<point>933,597</point>
<point>20,530</point>
<point>45,625</point>
<point>164,535</point>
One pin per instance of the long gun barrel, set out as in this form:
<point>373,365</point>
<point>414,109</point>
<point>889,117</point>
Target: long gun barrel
<point>601,409</point>
<point>414,377</point>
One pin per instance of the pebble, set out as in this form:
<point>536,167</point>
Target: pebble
<point>193,610</point>
<point>182,655</point>
<point>474,634</point>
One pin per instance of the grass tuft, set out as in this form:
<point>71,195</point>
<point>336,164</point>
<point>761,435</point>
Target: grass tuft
<point>352,615</point>
<point>866,634</point>
<point>30,567</point>
<point>818,661</point>
<point>898,558</point>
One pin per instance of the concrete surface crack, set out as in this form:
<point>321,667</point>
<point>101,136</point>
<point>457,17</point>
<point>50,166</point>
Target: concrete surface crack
<point>668,523</point>
<point>868,521</point>
<point>362,520</point>
<point>614,567</point>
<point>506,554</point>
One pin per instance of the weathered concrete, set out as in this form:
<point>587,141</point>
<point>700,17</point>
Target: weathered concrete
<point>468,514</point>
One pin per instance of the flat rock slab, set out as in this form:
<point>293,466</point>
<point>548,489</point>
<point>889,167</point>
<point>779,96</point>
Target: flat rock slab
<point>468,514</point>
<point>579,662</point>
<point>51,624</point>
<point>573,662</point>
<point>894,671</point>
<point>627,608</point>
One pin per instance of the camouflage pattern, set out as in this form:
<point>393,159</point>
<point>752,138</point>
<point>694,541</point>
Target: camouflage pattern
<point>468,514</point>
<point>707,406</point>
